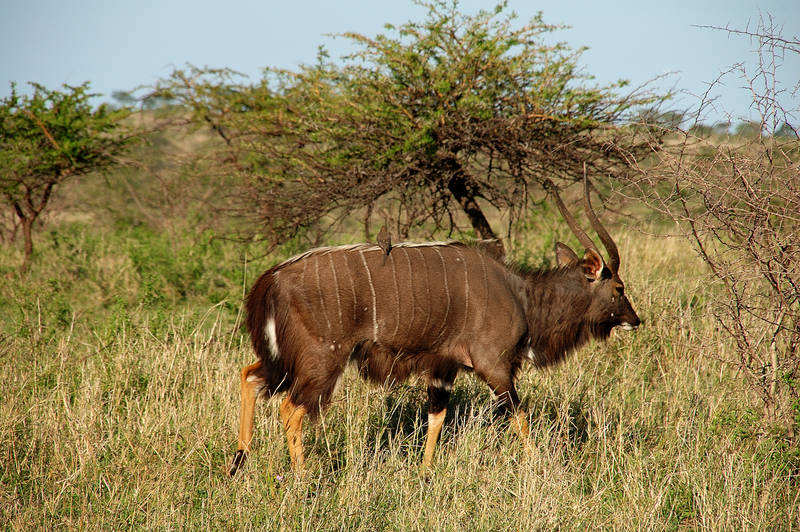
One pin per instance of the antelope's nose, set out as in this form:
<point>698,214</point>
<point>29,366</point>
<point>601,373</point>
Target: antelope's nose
<point>632,325</point>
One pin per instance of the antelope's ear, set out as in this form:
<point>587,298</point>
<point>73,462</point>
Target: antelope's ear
<point>565,256</point>
<point>593,266</point>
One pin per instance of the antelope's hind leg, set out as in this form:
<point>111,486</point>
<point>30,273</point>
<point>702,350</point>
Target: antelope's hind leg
<point>251,384</point>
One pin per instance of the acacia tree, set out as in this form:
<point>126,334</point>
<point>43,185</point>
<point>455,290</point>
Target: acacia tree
<point>439,117</point>
<point>47,138</point>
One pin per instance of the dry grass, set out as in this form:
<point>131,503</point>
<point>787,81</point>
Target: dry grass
<point>132,427</point>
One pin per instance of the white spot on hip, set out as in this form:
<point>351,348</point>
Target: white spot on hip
<point>272,337</point>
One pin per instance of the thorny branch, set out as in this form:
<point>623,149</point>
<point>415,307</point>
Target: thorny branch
<point>738,204</point>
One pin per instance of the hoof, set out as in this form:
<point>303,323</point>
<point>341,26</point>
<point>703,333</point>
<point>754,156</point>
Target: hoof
<point>238,460</point>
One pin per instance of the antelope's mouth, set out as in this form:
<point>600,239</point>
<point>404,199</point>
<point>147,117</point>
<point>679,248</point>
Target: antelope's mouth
<point>628,327</point>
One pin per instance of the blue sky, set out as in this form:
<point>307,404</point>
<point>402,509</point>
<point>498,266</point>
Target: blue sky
<point>120,45</point>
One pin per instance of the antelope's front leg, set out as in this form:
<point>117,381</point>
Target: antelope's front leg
<point>250,385</point>
<point>520,423</point>
<point>501,382</point>
<point>509,402</point>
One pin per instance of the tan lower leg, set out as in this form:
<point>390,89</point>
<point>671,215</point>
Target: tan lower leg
<point>435,422</point>
<point>292,416</point>
<point>520,423</point>
<point>250,386</point>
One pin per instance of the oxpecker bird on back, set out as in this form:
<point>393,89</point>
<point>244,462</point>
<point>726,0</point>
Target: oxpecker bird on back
<point>385,242</point>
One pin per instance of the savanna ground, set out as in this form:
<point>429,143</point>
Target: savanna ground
<point>120,353</point>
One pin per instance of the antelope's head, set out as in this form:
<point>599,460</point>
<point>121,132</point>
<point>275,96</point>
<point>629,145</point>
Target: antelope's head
<point>609,305</point>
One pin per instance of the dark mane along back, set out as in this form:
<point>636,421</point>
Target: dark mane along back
<point>558,301</point>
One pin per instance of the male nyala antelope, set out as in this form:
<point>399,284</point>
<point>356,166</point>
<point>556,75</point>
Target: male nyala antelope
<point>432,309</point>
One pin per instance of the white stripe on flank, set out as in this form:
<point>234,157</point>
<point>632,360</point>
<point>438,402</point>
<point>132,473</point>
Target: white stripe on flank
<point>336,287</point>
<point>466,292</point>
<point>272,336</point>
<point>411,289</point>
<point>374,299</point>
<point>485,288</point>
<point>321,295</point>
<point>304,290</point>
<point>396,299</point>
<point>427,291</point>
<point>446,291</point>
<point>352,287</point>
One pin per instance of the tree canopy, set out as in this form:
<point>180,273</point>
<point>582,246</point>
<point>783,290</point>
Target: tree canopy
<point>436,118</point>
<point>45,139</point>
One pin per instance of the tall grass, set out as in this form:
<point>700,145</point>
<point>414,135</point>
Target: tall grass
<point>119,361</point>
